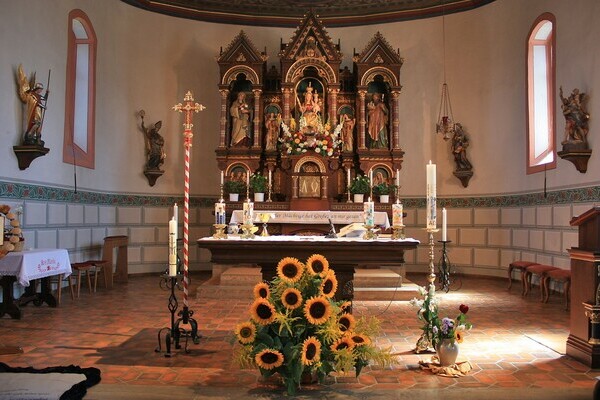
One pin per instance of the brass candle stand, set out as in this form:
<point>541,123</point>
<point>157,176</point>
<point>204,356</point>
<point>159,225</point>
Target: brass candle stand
<point>247,231</point>
<point>370,233</point>
<point>398,232</point>
<point>270,187</point>
<point>220,231</point>
<point>424,342</point>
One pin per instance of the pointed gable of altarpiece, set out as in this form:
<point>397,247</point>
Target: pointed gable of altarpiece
<point>241,56</point>
<point>379,58</point>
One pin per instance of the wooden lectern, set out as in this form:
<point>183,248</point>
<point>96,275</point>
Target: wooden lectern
<point>585,262</point>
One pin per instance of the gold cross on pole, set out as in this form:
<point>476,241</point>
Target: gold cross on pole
<point>188,107</point>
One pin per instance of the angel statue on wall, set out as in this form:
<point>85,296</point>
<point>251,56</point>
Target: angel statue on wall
<point>34,104</point>
<point>576,118</point>
<point>154,145</point>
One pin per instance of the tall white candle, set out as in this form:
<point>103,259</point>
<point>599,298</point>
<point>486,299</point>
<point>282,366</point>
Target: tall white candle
<point>369,212</point>
<point>397,217</point>
<point>397,178</point>
<point>371,176</point>
<point>348,177</point>
<point>270,177</point>
<point>444,226</point>
<point>176,214</point>
<point>248,179</point>
<point>431,196</point>
<point>222,178</point>
<point>248,212</point>
<point>220,213</point>
<point>172,247</point>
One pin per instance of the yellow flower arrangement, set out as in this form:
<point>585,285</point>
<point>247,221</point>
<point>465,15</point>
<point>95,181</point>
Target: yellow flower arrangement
<point>298,326</point>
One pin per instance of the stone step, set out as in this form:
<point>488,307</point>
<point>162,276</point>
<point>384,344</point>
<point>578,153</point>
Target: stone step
<point>241,277</point>
<point>376,278</point>
<point>406,292</point>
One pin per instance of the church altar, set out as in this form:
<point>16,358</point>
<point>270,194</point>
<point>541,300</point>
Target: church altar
<point>314,217</point>
<point>343,254</point>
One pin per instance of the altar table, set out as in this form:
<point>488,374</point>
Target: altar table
<point>343,254</point>
<point>313,217</point>
<point>25,266</point>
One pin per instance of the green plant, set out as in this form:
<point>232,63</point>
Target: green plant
<point>435,328</point>
<point>234,187</point>
<point>297,327</point>
<point>258,183</point>
<point>383,188</point>
<point>360,185</point>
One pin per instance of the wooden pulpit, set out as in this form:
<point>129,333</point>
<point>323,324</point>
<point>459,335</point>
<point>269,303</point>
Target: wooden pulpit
<point>585,263</point>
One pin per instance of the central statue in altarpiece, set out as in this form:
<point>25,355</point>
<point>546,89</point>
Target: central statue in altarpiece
<point>309,125</point>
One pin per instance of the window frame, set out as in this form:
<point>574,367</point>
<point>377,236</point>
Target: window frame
<point>72,153</point>
<point>550,45</point>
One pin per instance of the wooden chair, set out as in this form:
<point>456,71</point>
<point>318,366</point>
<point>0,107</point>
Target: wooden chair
<point>522,267</point>
<point>559,275</point>
<point>539,270</point>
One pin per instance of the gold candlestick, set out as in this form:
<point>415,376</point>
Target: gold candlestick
<point>370,233</point>
<point>247,231</point>
<point>424,342</point>
<point>398,232</point>
<point>220,231</point>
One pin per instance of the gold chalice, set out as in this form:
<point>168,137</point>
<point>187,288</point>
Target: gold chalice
<point>264,218</point>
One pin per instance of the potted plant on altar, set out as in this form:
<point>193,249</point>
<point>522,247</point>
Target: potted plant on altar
<point>383,190</point>
<point>234,188</point>
<point>298,329</point>
<point>442,333</point>
<point>360,186</point>
<point>258,183</point>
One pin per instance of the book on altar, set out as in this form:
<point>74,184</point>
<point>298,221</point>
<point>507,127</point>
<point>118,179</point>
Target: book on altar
<point>355,229</point>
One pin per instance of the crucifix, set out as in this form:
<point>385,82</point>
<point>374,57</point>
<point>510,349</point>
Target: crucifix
<point>188,108</point>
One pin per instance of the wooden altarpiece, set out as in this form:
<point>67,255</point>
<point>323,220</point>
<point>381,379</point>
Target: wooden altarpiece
<point>309,122</point>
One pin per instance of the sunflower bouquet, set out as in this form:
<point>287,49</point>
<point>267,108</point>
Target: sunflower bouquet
<point>297,327</point>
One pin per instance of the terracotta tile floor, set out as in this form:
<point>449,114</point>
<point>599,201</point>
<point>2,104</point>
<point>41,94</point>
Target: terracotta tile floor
<point>515,343</point>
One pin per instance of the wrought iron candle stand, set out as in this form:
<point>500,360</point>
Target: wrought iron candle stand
<point>424,344</point>
<point>444,267</point>
<point>174,333</point>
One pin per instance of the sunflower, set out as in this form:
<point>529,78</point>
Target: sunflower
<point>358,338</point>
<point>261,290</point>
<point>246,332</point>
<point>317,310</point>
<point>262,311</point>
<point>346,322</point>
<point>460,336</point>
<point>291,298</point>
<point>311,350</point>
<point>290,269</point>
<point>342,343</point>
<point>269,359</point>
<point>317,264</point>
<point>329,284</point>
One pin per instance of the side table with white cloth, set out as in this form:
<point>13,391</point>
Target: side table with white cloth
<point>25,266</point>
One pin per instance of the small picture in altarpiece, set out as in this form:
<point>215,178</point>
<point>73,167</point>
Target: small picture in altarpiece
<point>309,186</point>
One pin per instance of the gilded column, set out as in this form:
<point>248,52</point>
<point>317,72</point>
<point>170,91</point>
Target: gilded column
<point>362,123</point>
<point>324,180</point>
<point>286,105</point>
<point>333,106</point>
<point>294,187</point>
<point>395,120</point>
<point>257,119</point>
<point>222,133</point>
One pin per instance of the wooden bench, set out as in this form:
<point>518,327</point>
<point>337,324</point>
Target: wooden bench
<point>559,275</point>
<point>540,270</point>
<point>522,267</point>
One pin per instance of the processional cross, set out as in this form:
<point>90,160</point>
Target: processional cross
<point>188,108</point>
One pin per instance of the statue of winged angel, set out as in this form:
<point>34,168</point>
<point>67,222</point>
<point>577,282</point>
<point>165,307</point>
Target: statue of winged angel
<point>34,104</point>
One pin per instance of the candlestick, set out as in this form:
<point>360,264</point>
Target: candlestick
<point>222,178</point>
<point>270,177</point>
<point>431,196</point>
<point>172,247</point>
<point>444,226</point>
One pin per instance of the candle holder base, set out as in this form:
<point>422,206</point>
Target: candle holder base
<point>398,232</point>
<point>174,333</point>
<point>370,234</point>
<point>264,230</point>
<point>349,198</point>
<point>220,231</point>
<point>247,232</point>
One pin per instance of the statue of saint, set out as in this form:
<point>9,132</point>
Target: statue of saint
<point>272,122</point>
<point>459,148</point>
<point>347,132</point>
<point>377,122</point>
<point>30,93</point>
<point>240,115</point>
<point>576,117</point>
<point>154,145</point>
<point>311,108</point>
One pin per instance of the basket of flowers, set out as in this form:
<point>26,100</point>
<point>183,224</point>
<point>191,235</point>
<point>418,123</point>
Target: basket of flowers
<point>298,328</point>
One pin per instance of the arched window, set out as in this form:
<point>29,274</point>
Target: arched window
<point>79,138</point>
<point>541,151</point>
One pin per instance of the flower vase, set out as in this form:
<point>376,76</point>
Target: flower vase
<point>234,196</point>
<point>259,197</point>
<point>359,197</point>
<point>384,198</point>
<point>447,352</point>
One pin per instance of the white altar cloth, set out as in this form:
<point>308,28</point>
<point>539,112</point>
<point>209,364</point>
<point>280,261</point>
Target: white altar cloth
<point>313,217</point>
<point>35,264</point>
<point>316,239</point>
